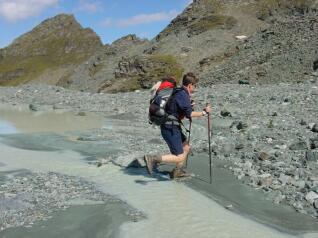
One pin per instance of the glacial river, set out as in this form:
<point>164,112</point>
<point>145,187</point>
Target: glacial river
<point>173,209</point>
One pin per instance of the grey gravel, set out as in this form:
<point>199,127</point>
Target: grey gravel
<point>35,196</point>
<point>271,153</point>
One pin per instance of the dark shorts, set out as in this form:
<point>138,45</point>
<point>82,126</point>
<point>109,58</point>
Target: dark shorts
<point>174,138</point>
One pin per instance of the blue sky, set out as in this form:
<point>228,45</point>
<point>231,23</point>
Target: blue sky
<point>110,19</point>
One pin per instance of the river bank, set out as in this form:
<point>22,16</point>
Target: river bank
<point>238,138</point>
<point>200,215</point>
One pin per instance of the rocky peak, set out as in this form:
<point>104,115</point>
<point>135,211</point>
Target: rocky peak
<point>55,43</point>
<point>60,21</point>
<point>62,29</point>
<point>128,40</point>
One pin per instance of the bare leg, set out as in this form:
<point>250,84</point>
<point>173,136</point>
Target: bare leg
<point>177,159</point>
<point>186,151</point>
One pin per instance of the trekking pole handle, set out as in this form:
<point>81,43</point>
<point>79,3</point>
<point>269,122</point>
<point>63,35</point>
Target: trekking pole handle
<point>207,105</point>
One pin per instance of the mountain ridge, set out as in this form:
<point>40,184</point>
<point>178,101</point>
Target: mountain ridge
<point>56,42</point>
<point>203,39</point>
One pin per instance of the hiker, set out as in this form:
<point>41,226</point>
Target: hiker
<point>178,106</point>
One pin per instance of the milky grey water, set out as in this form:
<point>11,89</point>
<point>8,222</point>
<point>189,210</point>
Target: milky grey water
<point>172,209</point>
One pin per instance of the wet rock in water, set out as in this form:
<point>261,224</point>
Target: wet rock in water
<point>316,203</point>
<point>243,82</point>
<point>311,197</point>
<point>311,126</point>
<point>103,161</point>
<point>33,107</point>
<point>299,145</point>
<point>313,143</point>
<point>229,207</point>
<point>225,113</point>
<point>272,98</point>
<point>88,138</point>
<point>239,125</point>
<point>303,122</point>
<point>315,128</point>
<point>81,114</point>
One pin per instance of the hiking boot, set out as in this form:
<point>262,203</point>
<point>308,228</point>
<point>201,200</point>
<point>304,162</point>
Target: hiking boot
<point>155,166</point>
<point>151,162</point>
<point>178,173</point>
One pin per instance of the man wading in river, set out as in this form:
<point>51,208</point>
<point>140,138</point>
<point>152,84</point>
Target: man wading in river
<point>178,106</point>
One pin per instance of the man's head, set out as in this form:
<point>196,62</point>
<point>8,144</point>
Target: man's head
<point>190,81</point>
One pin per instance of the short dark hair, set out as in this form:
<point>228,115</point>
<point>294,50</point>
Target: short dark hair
<point>189,78</point>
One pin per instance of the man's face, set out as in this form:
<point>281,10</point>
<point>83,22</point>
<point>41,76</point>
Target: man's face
<point>192,88</point>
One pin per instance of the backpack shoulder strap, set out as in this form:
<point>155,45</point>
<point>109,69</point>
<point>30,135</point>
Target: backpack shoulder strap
<point>179,89</point>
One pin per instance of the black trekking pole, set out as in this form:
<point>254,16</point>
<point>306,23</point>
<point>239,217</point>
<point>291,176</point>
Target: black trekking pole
<point>189,136</point>
<point>209,137</point>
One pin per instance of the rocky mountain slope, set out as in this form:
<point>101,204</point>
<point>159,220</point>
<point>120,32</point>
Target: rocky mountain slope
<point>285,51</point>
<point>122,66</point>
<point>222,41</point>
<point>204,29</point>
<point>203,39</point>
<point>47,52</point>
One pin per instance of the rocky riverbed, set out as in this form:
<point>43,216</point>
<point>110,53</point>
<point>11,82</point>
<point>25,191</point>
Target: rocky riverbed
<point>26,198</point>
<point>268,134</point>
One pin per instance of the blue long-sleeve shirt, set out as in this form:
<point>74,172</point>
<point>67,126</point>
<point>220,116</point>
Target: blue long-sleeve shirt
<point>180,104</point>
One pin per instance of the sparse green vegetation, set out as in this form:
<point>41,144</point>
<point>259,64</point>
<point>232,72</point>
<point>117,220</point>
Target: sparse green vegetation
<point>130,84</point>
<point>172,67</point>
<point>210,22</point>
<point>154,67</point>
<point>200,9</point>
<point>270,124</point>
<point>34,66</point>
<point>267,8</point>
<point>121,85</point>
